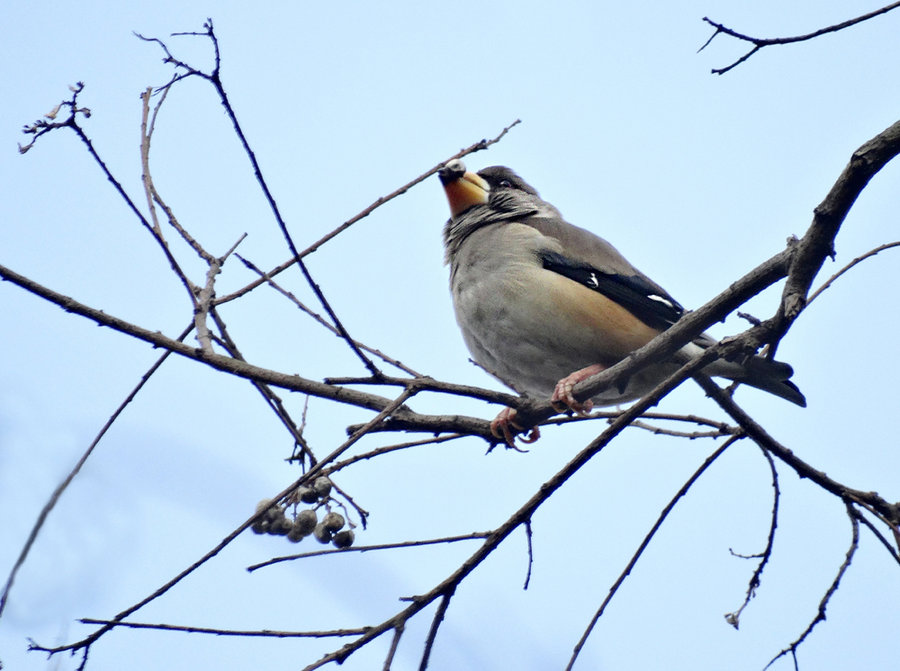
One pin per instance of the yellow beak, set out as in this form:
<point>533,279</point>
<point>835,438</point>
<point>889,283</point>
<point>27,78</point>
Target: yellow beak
<point>464,189</point>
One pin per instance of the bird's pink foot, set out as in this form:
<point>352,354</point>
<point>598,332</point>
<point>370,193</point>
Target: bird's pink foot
<point>563,399</point>
<point>501,424</point>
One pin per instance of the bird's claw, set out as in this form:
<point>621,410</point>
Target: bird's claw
<point>500,428</point>
<point>564,400</point>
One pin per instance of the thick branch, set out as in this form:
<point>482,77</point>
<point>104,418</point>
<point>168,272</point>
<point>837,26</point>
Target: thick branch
<point>818,242</point>
<point>667,343</point>
<point>520,517</point>
<point>800,262</point>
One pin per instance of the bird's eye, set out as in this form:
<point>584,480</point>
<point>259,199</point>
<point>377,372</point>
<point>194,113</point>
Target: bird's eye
<point>505,184</point>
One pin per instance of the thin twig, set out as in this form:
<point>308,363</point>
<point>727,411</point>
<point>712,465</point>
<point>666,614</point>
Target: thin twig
<point>643,546</point>
<point>72,123</point>
<point>432,632</point>
<point>218,361</point>
<point>250,633</point>
<point>823,604</point>
<point>365,212</point>
<point>321,320</point>
<point>859,259</point>
<point>889,513</point>
<point>360,511</point>
<point>395,642</point>
<point>369,548</point>
<point>364,456</point>
<point>89,640</point>
<point>215,79</point>
<point>734,618</point>
<point>884,541</point>
<point>153,196</point>
<point>690,435</point>
<point>57,493</point>
<point>272,399</point>
<point>528,539</point>
<point>48,123</point>
<point>524,513</point>
<point>758,42</point>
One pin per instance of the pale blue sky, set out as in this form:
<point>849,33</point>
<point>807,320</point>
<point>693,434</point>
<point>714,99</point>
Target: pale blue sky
<point>696,178</point>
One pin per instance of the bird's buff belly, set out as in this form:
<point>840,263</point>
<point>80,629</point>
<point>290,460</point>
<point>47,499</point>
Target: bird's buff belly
<point>560,317</point>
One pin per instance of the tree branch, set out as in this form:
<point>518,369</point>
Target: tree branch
<point>247,633</point>
<point>644,543</point>
<point>58,492</point>
<point>734,618</point>
<point>823,604</point>
<point>85,643</point>
<point>365,212</point>
<point>758,42</point>
<point>888,513</point>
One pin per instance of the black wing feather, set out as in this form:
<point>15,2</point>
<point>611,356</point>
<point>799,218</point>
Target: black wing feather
<point>633,292</point>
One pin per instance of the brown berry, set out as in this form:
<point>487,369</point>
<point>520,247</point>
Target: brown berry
<point>322,486</point>
<point>322,534</point>
<point>343,539</point>
<point>333,522</point>
<point>307,494</point>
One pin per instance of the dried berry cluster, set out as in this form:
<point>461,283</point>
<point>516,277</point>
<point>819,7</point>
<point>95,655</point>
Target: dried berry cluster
<point>329,530</point>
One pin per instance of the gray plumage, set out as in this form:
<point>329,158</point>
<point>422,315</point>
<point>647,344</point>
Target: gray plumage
<point>537,298</point>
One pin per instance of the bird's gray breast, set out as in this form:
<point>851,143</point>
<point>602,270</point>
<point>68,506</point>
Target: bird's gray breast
<point>503,312</point>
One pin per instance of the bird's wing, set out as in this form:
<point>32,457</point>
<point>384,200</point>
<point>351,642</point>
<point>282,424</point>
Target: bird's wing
<point>592,262</point>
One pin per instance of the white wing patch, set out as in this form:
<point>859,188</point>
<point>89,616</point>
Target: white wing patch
<point>660,299</point>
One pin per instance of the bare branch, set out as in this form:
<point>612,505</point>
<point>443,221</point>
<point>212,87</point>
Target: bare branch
<point>644,543</point>
<point>477,146</point>
<point>249,633</point>
<point>218,361</point>
<point>320,320</point>
<point>39,128</point>
<point>432,632</point>
<point>395,642</point>
<point>758,42</point>
<point>884,541</point>
<point>818,242</point>
<point>57,493</point>
<point>823,604</point>
<point>364,456</point>
<point>148,125</point>
<point>48,122</point>
<point>888,513</point>
<point>216,81</point>
<point>859,259</point>
<point>521,516</point>
<point>87,642</point>
<point>370,548</point>
<point>528,538</point>
<point>660,431</point>
<point>272,399</point>
<point>734,618</point>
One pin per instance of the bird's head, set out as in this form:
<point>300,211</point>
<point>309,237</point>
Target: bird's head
<point>466,189</point>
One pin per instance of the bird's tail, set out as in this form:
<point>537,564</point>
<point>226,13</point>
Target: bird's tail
<point>766,374</point>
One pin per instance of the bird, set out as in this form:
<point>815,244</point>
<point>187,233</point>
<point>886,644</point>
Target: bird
<point>543,304</point>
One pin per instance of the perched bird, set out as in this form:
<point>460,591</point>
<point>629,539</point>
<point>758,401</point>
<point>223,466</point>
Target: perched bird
<point>543,304</point>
